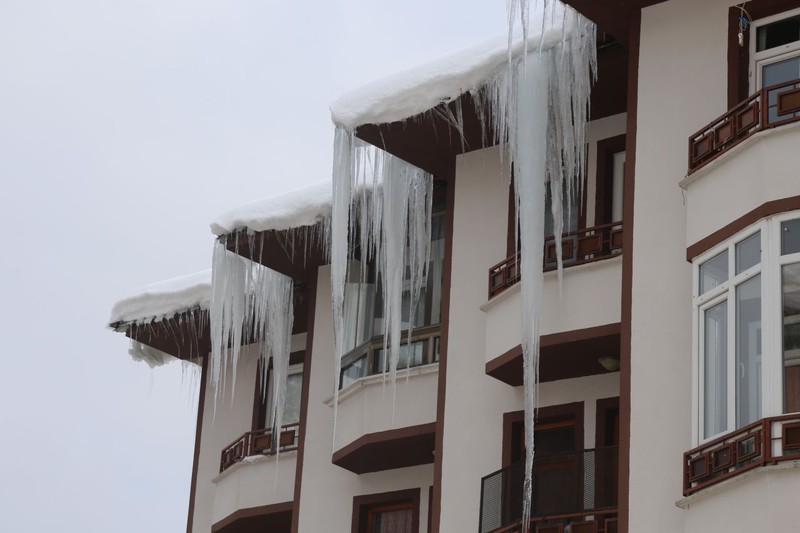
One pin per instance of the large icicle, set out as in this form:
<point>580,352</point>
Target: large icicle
<point>253,304</point>
<point>382,208</point>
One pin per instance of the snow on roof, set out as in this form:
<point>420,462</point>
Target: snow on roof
<point>164,298</point>
<point>294,209</point>
<point>416,90</point>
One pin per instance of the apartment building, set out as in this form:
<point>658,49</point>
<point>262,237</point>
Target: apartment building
<point>669,389</point>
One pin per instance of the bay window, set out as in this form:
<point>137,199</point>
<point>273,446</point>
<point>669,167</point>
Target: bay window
<point>747,316</point>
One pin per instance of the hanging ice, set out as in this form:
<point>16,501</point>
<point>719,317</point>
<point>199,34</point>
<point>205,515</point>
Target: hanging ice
<point>254,304</point>
<point>382,208</point>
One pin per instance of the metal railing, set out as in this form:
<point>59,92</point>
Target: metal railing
<point>765,442</point>
<point>368,358</point>
<point>259,442</point>
<point>576,489</point>
<point>770,107</point>
<point>577,247</point>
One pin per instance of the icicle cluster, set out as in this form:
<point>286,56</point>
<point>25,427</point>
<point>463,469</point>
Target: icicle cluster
<point>250,304</point>
<point>382,208</point>
<point>184,329</point>
<point>541,107</point>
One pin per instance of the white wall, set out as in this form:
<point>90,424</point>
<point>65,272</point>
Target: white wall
<point>682,85</point>
<point>326,500</point>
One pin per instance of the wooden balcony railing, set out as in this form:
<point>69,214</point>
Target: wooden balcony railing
<point>766,442</point>
<point>770,107</point>
<point>259,442</point>
<point>577,247</point>
<point>574,492</point>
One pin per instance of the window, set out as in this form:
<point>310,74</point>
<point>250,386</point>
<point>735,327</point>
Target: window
<point>363,322</point>
<point>264,398</point>
<point>389,512</point>
<point>747,316</point>
<point>775,57</point>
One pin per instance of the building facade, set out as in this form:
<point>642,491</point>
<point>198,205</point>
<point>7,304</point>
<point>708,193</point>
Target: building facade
<point>669,393</point>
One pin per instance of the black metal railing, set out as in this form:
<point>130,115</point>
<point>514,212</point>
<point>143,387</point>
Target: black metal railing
<point>573,489</point>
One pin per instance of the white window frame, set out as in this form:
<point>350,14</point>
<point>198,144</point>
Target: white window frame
<point>773,55</point>
<point>772,370</point>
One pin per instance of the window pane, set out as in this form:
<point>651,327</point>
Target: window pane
<point>416,352</point>
<point>714,272</point>
<point>748,351</point>
<point>790,237</point>
<point>294,388</point>
<point>715,351</point>
<point>778,33</point>
<point>791,337</point>
<point>748,252</point>
<point>398,521</point>
<point>775,73</point>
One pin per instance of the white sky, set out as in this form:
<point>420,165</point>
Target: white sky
<point>126,126</point>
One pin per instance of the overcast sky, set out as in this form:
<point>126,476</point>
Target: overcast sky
<point>126,126</point>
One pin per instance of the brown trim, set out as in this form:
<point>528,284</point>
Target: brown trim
<point>361,505</point>
<point>604,177</point>
<point>301,445</point>
<point>573,410</point>
<point>739,57</point>
<point>386,450</point>
<point>201,404</point>
<point>634,30</point>
<point>438,452</point>
<point>251,512</point>
<point>766,209</point>
<point>603,407</point>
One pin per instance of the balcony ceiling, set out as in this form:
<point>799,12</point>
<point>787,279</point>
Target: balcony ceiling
<point>386,450</point>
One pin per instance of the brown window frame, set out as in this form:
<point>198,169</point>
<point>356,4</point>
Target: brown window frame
<point>366,505</point>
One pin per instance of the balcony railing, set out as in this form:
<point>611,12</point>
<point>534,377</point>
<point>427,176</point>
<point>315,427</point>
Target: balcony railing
<point>766,442</point>
<point>578,248</point>
<point>259,442</point>
<point>368,358</point>
<point>574,492</point>
<point>770,107</point>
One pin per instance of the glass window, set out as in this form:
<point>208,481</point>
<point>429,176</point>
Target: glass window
<point>748,351</point>
<point>776,59</point>
<point>715,369</point>
<point>714,272</point>
<point>778,33</point>
<point>390,519</point>
<point>791,337</point>
<point>748,252</point>
<point>790,237</point>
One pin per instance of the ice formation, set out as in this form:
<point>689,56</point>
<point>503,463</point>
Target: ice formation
<point>382,211</point>
<point>250,304</point>
<point>175,309</point>
<point>533,96</point>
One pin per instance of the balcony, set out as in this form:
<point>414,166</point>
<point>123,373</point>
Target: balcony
<point>766,442</point>
<point>578,248</point>
<point>575,492</point>
<point>770,107</point>
<point>259,442</point>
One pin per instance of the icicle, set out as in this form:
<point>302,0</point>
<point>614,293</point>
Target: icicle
<point>249,303</point>
<point>382,207</point>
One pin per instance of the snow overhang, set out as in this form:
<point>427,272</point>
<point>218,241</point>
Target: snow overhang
<point>410,114</point>
<point>284,232</point>
<point>170,316</point>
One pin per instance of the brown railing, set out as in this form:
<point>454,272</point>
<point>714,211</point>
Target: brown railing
<point>575,491</point>
<point>768,108</point>
<point>259,442</point>
<point>577,247</point>
<point>766,442</point>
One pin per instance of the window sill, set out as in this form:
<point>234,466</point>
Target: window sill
<point>368,381</point>
<point>685,503</point>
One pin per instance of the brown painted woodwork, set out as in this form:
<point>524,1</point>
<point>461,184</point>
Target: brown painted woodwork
<point>564,355</point>
<point>546,417</point>
<point>386,450</point>
<point>198,434</point>
<point>259,442</point>
<point>739,451</point>
<point>275,518</point>
<point>364,508</point>
<point>613,17</point>
<point>178,335</point>
<point>553,528</point>
<point>729,230</point>
<point>742,121</point>
<point>594,244</point>
<point>304,393</point>
<point>791,389</point>
<point>589,526</point>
